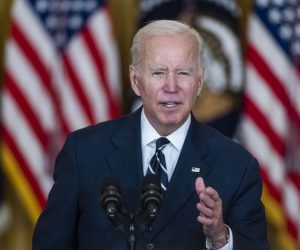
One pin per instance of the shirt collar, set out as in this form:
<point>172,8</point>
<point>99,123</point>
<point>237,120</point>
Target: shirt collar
<point>149,134</point>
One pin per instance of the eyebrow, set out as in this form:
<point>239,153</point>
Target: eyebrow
<point>159,68</point>
<point>185,69</point>
<point>177,69</point>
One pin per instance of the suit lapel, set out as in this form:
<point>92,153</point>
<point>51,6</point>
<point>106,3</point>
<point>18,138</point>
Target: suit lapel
<point>182,184</point>
<point>126,161</point>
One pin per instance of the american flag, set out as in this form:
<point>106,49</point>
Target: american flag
<point>271,122</point>
<point>61,74</point>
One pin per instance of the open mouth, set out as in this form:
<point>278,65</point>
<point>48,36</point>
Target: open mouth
<point>170,104</point>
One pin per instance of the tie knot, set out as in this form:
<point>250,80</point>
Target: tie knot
<point>161,143</point>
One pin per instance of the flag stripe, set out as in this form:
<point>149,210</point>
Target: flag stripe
<point>33,92</point>
<point>98,59</point>
<point>31,54</point>
<point>69,103</point>
<point>77,87</point>
<point>26,141</point>
<point>279,183</point>
<point>12,87</point>
<point>274,83</point>
<point>276,60</point>
<point>105,42</point>
<point>263,150</point>
<point>87,73</point>
<point>253,112</point>
<point>24,168</point>
<point>273,174</point>
<point>292,200</point>
<point>276,193</point>
<point>267,102</point>
<point>295,178</point>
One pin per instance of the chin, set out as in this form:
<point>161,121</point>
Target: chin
<point>172,122</point>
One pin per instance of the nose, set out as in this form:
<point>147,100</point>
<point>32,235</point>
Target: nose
<point>171,83</point>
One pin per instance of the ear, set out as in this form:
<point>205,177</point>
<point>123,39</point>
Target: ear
<point>134,80</point>
<point>201,80</point>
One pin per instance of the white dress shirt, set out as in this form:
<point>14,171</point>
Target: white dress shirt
<point>172,151</point>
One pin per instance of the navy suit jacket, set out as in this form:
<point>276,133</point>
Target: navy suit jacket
<point>74,219</point>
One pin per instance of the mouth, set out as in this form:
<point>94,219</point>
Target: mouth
<point>170,104</point>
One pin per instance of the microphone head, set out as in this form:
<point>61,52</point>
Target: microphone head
<point>151,195</point>
<point>110,199</point>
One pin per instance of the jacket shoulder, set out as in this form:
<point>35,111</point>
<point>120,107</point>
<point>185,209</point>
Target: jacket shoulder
<point>222,145</point>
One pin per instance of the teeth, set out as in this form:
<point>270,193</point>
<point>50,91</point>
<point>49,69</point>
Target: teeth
<point>170,104</point>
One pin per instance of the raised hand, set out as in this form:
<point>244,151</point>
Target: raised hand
<point>210,214</point>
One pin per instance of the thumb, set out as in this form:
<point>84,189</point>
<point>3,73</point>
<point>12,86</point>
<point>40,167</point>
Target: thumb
<point>199,185</point>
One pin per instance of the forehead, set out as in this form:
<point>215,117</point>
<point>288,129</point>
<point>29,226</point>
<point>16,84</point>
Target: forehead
<point>168,39</point>
<point>173,48</point>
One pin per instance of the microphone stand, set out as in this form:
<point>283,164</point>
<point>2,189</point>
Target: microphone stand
<point>143,227</point>
<point>131,238</point>
<point>119,227</point>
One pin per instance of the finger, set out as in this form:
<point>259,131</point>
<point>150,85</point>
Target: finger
<point>207,200</point>
<point>205,221</point>
<point>199,185</point>
<point>213,194</point>
<point>204,210</point>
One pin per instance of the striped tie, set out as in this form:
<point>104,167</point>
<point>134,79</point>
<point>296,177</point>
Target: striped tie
<point>157,164</point>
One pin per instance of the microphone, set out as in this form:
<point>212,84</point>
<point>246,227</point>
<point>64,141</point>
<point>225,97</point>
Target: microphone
<point>151,195</point>
<point>111,202</point>
<point>111,199</point>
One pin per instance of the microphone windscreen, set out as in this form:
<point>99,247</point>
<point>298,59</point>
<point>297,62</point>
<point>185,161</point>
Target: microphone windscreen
<point>110,181</point>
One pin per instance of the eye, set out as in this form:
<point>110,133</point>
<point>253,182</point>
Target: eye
<point>158,73</point>
<point>184,73</point>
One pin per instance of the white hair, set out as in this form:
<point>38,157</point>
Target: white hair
<point>163,28</point>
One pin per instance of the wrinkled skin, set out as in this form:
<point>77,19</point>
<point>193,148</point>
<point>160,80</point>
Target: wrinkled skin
<point>168,79</point>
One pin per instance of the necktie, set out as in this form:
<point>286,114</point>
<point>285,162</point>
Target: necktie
<point>157,164</point>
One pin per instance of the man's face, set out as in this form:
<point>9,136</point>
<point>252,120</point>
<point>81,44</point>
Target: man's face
<point>168,80</point>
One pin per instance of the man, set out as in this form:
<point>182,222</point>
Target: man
<point>212,186</point>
